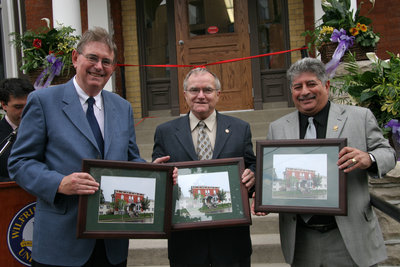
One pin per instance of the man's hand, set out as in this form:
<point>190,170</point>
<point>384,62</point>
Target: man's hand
<point>352,158</point>
<point>78,183</point>
<point>252,207</point>
<point>248,178</point>
<point>174,174</point>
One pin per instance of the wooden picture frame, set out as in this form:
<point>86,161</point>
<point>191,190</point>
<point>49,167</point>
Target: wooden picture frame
<point>196,201</point>
<point>133,200</point>
<point>300,176</point>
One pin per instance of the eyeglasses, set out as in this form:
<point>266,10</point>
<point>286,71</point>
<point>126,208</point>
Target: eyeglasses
<point>93,59</point>
<point>196,91</point>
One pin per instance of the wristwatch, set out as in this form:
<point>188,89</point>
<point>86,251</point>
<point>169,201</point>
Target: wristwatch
<point>372,158</point>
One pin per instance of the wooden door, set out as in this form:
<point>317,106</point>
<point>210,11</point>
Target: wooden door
<point>215,31</point>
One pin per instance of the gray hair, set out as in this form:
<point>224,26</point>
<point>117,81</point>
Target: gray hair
<point>217,83</point>
<point>97,34</point>
<point>310,65</point>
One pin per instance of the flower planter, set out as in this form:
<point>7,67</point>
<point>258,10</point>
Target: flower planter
<point>33,75</point>
<point>327,50</point>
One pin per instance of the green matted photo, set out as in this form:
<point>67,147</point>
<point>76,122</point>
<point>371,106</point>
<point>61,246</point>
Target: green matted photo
<point>133,200</point>
<point>210,194</point>
<point>300,176</point>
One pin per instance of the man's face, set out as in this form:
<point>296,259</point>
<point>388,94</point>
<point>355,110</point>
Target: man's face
<point>309,94</point>
<point>201,104</point>
<point>92,67</point>
<point>14,108</point>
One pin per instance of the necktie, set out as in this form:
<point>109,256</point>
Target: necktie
<point>311,133</point>
<point>94,125</point>
<point>204,150</point>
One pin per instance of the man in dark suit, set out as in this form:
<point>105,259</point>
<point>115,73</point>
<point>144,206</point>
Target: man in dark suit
<point>355,239</point>
<point>228,137</point>
<point>13,95</point>
<point>61,126</point>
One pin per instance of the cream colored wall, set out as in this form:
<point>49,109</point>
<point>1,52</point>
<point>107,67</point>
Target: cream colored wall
<point>131,54</point>
<point>296,27</point>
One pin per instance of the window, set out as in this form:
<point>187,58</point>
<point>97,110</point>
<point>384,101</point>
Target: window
<point>2,63</point>
<point>211,16</point>
<point>270,33</point>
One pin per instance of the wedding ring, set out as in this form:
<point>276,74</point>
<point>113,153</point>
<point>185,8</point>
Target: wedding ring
<point>354,160</point>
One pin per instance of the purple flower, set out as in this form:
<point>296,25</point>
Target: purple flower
<point>395,126</point>
<point>341,35</point>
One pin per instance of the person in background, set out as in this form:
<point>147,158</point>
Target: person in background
<point>206,134</point>
<point>355,239</point>
<point>13,95</point>
<point>60,126</point>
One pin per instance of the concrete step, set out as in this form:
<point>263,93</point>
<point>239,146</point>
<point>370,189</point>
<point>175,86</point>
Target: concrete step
<point>264,235</point>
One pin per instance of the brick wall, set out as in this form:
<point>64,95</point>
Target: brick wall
<point>386,21</point>
<point>35,11</point>
<point>296,27</point>
<point>131,55</point>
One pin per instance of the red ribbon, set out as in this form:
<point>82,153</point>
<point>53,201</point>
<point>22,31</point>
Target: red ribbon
<point>215,63</point>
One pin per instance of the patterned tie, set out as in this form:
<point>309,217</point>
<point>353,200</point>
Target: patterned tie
<point>204,150</point>
<point>311,132</point>
<point>94,125</point>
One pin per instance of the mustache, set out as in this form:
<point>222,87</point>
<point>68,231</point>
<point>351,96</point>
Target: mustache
<point>308,97</point>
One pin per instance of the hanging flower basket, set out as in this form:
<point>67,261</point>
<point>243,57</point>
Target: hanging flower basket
<point>327,50</point>
<point>33,75</point>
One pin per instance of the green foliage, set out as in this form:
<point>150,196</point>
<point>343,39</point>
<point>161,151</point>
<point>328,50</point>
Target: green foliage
<point>338,15</point>
<point>37,44</point>
<point>377,89</point>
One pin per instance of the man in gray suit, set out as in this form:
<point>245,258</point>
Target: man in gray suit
<point>228,137</point>
<point>355,239</point>
<point>61,126</point>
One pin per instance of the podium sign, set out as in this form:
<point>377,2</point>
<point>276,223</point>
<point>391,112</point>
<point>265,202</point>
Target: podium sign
<point>16,225</point>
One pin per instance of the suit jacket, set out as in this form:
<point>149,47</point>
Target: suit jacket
<point>53,138</point>
<point>5,130</point>
<point>360,228</point>
<point>233,139</point>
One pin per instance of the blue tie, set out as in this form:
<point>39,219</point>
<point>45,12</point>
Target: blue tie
<point>94,125</point>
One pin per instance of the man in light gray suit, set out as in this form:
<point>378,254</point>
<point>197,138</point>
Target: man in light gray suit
<point>54,136</point>
<point>355,239</point>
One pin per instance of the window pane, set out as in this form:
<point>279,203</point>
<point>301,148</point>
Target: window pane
<point>2,69</point>
<point>210,16</point>
<point>156,34</point>
<point>270,33</point>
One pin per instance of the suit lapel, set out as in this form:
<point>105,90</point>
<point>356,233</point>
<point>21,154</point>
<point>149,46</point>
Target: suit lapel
<point>184,136</point>
<point>74,111</point>
<point>291,128</point>
<point>110,113</point>
<point>336,120</point>
<point>222,135</point>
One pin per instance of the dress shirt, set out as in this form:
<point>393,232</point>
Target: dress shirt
<point>320,121</point>
<point>211,129</point>
<point>13,126</point>
<point>97,107</point>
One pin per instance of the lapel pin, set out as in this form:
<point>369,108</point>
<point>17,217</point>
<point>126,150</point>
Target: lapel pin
<point>227,130</point>
<point>335,128</point>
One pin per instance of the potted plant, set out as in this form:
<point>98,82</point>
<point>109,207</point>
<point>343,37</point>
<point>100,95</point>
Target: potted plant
<point>377,89</point>
<point>46,53</point>
<point>338,17</point>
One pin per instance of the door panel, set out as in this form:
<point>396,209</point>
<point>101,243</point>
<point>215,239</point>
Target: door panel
<point>195,46</point>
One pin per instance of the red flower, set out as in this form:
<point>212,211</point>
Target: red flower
<point>37,43</point>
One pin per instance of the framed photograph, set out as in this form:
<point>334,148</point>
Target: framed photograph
<point>300,176</point>
<point>133,201</point>
<point>210,194</point>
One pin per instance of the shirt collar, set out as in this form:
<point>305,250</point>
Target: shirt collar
<point>83,97</point>
<point>209,122</point>
<point>13,126</point>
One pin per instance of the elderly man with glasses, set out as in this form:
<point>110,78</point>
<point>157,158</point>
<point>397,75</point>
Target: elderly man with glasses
<point>204,133</point>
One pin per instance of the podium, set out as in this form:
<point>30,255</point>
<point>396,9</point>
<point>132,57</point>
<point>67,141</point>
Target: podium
<point>16,225</point>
